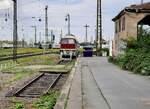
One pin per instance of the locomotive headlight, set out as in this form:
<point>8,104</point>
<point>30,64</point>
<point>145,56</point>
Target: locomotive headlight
<point>61,53</point>
<point>71,52</point>
<point>64,52</point>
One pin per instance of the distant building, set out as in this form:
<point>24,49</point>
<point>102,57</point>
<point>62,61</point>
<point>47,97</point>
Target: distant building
<point>127,24</point>
<point>9,44</point>
<point>6,44</point>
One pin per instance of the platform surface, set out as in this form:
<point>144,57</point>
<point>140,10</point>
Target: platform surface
<point>98,84</point>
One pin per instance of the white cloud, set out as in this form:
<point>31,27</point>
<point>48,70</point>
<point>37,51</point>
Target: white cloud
<point>82,12</point>
<point>4,4</point>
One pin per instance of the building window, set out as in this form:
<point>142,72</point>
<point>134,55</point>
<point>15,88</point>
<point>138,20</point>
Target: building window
<point>116,27</point>
<point>119,25</point>
<point>123,23</point>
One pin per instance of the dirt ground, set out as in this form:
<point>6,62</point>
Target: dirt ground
<point>5,87</point>
<point>8,102</point>
<point>5,102</point>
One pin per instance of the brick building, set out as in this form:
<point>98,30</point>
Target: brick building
<point>127,24</point>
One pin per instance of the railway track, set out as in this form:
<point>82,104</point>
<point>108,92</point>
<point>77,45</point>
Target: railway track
<point>38,86</point>
<point>23,56</point>
<point>64,62</point>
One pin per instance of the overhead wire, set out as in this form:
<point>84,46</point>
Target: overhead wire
<point>20,19</point>
<point>33,1</point>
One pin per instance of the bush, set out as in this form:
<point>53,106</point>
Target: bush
<point>111,59</point>
<point>17,104</point>
<point>143,67</point>
<point>136,57</point>
<point>100,52</point>
<point>106,50</point>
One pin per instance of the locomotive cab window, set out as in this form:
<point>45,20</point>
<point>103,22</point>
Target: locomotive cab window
<point>67,41</point>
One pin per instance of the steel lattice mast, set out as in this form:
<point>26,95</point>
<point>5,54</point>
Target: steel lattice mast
<point>99,28</point>
<point>15,34</point>
<point>46,24</point>
<point>86,34</point>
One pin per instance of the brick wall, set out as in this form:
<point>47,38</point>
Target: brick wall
<point>131,22</point>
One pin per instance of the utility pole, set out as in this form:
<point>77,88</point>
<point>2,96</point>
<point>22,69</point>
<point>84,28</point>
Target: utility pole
<point>99,28</point>
<point>61,34</point>
<point>68,19</point>
<point>52,36</point>
<point>86,34</point>
<point>46,24</point>
<point>15,33</point>
<point>23,38</point>
<point>23,43</point>
<point>40,37</point>
<point>35,35</point>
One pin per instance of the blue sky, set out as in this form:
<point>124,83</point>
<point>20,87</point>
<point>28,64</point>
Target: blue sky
<point>82,12</point>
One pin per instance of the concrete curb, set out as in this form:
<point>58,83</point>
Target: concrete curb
<point>62,100</point>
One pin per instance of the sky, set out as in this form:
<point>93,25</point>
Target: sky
<point>82,12</point>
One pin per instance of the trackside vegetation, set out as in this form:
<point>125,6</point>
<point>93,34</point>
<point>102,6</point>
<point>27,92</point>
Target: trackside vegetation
<point>47,101</point>
<point>137,55</point>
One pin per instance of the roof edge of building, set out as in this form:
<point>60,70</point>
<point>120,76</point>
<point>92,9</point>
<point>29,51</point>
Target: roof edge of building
<point>138,8</point>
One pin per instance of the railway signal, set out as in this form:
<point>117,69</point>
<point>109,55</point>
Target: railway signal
<point>68,19</point>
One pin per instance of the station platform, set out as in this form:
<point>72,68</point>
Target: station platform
<point>85,93</point>
<point>98,84</point>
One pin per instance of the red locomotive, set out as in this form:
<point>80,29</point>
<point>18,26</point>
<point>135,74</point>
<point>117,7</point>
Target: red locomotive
<point>68,47</point>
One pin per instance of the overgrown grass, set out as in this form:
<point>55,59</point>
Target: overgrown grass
<point>39,60</point>
<point>17,104</point>
<point>47,101</point>
<point>60,68</point>
<point>34,60</point>
<point>19,74</point>
<point>8,52</point>
<point>21,70</point>
<point>70,65</point>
